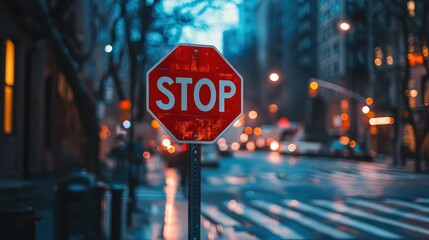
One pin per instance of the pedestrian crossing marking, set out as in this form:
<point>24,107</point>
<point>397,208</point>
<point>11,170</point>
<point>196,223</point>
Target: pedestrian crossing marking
<point>267,222</point>
<point>352,212</point>
<point>408,205</point>
<point>233,235</point>
<point>308,222</point>
<point>389,210</point>
<point>215,180</point>
<point>370,175</point>
<point>343,208</point>
<point>216,215</point>
<point>273,178</point>
<point>422,200</point>
<point>344,175</point>
<point>340,218</point>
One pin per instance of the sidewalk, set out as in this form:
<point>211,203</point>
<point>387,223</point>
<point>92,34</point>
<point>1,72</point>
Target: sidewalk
<point>162,205</point>
<point>163,208</point>
<point>408,167</point>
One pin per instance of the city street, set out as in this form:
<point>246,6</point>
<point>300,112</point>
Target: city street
<point>262,195</point>
<point>265,195</point>
<point>264,119</point>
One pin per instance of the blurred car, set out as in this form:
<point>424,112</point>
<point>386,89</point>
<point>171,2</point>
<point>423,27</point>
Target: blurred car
<point>293,141</point>
<point>347,149</point>
<point>301,147</point>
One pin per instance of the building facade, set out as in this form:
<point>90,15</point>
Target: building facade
<point>239,47</point>
<point>396,66</point>
<point>288,46</point>
<point>22,56</point>
<point>341,62</point>
<point>40,125</point>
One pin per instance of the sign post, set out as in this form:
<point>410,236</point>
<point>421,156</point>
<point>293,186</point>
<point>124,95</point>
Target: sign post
<point>196,95</point>
<point>194,192</point>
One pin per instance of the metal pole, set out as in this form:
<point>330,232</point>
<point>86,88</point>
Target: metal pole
<point>340,89</point>
<point>194,192</point>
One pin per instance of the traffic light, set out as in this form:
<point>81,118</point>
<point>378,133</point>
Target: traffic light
<point>345,121</point>
<point>124,110</point>
<point>312,90</point>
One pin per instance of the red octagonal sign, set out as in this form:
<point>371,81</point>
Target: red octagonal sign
<point>194,93</point>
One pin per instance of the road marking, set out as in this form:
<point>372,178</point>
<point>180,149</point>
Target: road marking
<point>422,200</point>
<point>270,224</point>
<point>388,210</point>
<point>308,222</point>
<point>217,181</point>
<point>372,174</point>
<point>231,234</point>
<point>344,175</point>
<point>341,207</point>
<point>220,218</point>
<point>340,218</point>
<point>408,205</point>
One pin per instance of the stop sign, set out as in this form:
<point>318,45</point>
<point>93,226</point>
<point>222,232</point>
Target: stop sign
<point>194,93</point>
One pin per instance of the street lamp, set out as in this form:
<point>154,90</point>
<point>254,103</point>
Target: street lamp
<point>344,26</point>
<point>274,77</point>
<point>108,48</point>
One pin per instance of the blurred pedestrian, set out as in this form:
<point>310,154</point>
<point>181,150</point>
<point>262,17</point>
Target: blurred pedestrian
<point>119,153</point>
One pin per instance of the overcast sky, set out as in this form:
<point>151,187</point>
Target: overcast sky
<point>218,21</point>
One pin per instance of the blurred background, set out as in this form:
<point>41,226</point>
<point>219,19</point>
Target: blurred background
<point>74,73</point>
<point>343,79</point>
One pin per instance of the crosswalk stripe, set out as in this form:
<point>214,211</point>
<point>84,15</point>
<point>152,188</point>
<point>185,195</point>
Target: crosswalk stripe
<point>366,174</point>
<point>341,207</point>
<point>216,215</point>
<point>388,210</point>
<point>230,234</point>
<point>422,200</point>
<point>215,181</point>
<point>269,223</point>
<point>308,222</point>
<point>340,218</point>
<point>408,205</point>
<point>344,175</point>
<point>376,175</point>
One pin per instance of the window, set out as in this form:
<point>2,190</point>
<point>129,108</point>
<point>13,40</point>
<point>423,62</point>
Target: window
<point>336,47</point>
<point>305,60</point>
<point>9,81</point>
<point>336,8</point>
<point>336,67</point>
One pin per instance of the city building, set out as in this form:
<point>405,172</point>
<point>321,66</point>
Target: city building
<point>396,58</point>
<point>240,49</point>
<point>41,131</point>
<point>341,63</point>
<point>288,47</point>
<point>22,98</point>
